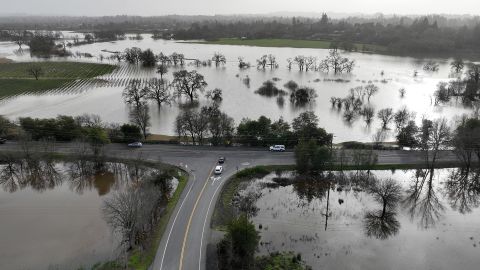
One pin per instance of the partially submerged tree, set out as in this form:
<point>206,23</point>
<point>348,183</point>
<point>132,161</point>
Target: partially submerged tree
<point>158,90</point>
<point>219,59</point>
<point>386,116</point>
<point>134,94</point>
<point>132,55</point>
<point>148,58</point>
<point>457,65</point>
<point>370,90</point>
<point>189,83</point>
<point>337,63</point>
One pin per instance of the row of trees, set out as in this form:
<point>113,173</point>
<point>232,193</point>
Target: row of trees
<point>334,62</point>
<point>400,35</point>
<point>209,124</point>
<point>433,136</point>
<point>467,89</point>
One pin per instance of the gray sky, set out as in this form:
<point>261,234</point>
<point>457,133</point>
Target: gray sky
<point>210,7</point>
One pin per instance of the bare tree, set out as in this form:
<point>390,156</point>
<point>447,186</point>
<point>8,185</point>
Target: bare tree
<point>162,69</point>
<point>188,83</point>
<point>134,94</point>
<point>35,71</point>
<point>174,58</point>
<point>433,137</point>
<point>193,124</point>
<point>262,61</point>
<point>337,63</point>
<point>457,65</point>
<point>402,117</point>
<point>272,62</point>
<point>132,55</point>
<point>159,90</point>
<point>163,59</point>
<point>289,63</point>
<point>300,61</point>
<point>140,116</point>
<point>219,59</point>
<point>368,113</point>
<point>310,62</point>
<point>386,116</point>
<point>370,90</point>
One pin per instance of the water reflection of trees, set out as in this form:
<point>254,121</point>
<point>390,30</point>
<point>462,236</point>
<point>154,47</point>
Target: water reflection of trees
<point>38,174</point>
<point>41,174</point>
<point>135,210</point>
<point>463,189</point>
<point>422,200</point>
<point>383,223</point>
<point>309,188</point>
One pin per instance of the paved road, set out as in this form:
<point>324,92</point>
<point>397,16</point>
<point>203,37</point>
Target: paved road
<point>183,246</point>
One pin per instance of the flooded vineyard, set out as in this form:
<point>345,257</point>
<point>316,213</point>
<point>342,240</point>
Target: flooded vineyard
<point>103,95</point>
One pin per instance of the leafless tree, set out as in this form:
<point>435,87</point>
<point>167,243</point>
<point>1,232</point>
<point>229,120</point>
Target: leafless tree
<point>134,94</point>
<point>140,116</point>
<point>162,69</point>
<point>219,59</point>
<point>300,61</point>
<point>402,117</point>
<point>189,83</point>
<point>310,62</point>
<point>368,113</point>
<point>370,90</point>
<point>159,90</point>
<point>433,137</point>
<point>262,61</point>
<point>272,61</point>
<point>35,71</point>
<point>386,116</point>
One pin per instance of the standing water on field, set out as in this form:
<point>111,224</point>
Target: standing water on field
<point>104,97</point>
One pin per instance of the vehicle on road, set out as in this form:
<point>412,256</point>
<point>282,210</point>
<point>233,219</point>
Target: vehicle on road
<point>277,148</point>
<point>2,140</point>
<point>221,160</point>
<point>135,145</point>
<point>218,170</point>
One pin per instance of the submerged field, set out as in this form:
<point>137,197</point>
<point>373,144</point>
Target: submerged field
<point>15,78</point>
<point>292,43</point>
<point>336,220</point>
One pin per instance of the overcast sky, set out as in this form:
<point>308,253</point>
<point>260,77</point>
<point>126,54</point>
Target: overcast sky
<point>210,7</point>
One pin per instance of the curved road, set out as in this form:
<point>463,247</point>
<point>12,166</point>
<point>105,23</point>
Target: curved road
<point>183,245</point>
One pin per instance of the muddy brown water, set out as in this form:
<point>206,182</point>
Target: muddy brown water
<point>54,220</point>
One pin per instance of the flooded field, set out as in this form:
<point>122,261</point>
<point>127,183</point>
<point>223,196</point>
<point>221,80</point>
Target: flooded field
<point>103,96</point>
<point>51,213</point>
<point>424,220</point>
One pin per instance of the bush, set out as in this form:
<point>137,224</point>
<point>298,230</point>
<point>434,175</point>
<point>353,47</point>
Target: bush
<point>354,145</point>
<point>255,172</point>
<point>131,133</point>
<point>270,90</point>
<point>62,128</point>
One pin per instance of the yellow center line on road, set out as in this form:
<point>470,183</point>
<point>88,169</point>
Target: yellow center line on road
<point>190,218</point>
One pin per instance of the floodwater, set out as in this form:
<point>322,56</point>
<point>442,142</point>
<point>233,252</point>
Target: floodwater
<point>51,216</point>
<point>241,101</point>
<point>435,224</point>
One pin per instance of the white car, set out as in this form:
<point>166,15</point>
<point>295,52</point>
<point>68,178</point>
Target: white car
<point>218,170</point>
<point>135,145</point>
<point>277,148</point>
